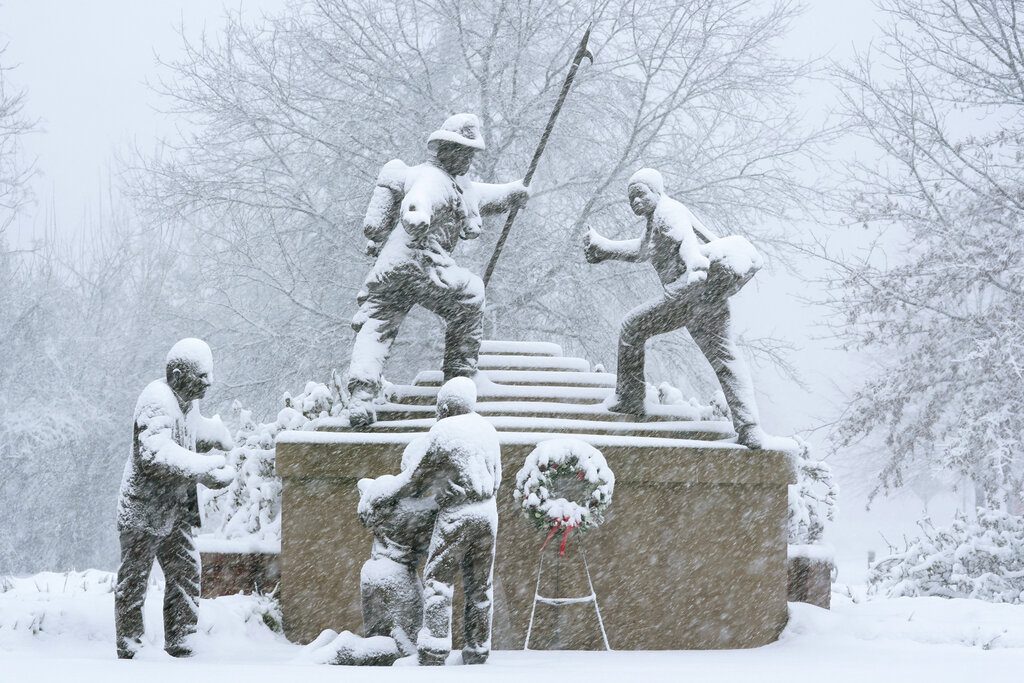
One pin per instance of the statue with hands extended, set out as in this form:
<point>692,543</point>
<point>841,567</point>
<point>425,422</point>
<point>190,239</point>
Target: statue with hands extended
<point>158,506</point>
<point>698,273</point>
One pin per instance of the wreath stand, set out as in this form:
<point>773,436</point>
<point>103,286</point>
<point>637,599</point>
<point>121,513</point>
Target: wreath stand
<point>561,602</point>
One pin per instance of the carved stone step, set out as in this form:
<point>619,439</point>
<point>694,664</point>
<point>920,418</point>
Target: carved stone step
<point>407,395</point>
<point>512,362</point>
<point>700,431</point>
<point>491,347</point>
<point>391,412</point>
<point>528,378</point>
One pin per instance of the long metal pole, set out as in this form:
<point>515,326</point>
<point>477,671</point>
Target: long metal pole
<point>581,53</point>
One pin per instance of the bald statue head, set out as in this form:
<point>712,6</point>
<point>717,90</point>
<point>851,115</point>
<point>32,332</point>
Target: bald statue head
<point>189,369</point>
<point>456,397</point>
<point>646,188</point>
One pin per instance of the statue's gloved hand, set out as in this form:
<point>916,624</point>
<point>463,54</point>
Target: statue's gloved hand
<point>471,232</point>
<point>590,250</point>
<point>218,478</point>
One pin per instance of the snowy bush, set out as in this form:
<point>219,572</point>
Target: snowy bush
<point>812,500</point>
<point>251,506</point>
<point>982,559</point>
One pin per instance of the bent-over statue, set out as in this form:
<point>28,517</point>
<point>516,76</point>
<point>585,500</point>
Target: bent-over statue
<point>699,272</point>
<point>158,506</point>
<point>441,507</point>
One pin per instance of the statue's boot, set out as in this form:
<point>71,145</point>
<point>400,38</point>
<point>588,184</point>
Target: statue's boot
<point>352,650</point>
<point>627,406</point>
<point>751,436</point>
<point>360,410</point>
<point>432,657</point>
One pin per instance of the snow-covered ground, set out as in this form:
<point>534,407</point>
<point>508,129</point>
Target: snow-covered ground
<point>59,627</point>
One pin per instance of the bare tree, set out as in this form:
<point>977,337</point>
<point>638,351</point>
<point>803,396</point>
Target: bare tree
<point>14,172</point>
<point>294,117</point>
<point>940,296</point>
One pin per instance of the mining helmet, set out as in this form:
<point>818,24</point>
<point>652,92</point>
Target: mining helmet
<point>462,129</point>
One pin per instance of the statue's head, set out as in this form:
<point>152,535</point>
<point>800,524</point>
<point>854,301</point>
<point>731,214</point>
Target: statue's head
<point>456,397</point>
<point>645,189</point>
<point>189,369</point>
<point>456,142</point>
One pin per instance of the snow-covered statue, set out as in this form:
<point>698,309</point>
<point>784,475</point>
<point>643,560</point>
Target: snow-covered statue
<point>416,217</point>
<point>442,505</point>
<point>158,506</point>
<point>699,272</point>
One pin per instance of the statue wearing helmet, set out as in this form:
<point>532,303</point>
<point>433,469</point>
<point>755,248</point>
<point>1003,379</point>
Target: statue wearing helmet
<point>416,217</point>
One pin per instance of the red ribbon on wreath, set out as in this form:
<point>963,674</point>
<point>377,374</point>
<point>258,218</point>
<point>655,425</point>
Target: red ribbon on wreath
<point>566,526</point>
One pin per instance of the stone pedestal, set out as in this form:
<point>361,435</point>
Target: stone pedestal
<point>810,575</point>
<point>692,554</point>
<point>232,573</point>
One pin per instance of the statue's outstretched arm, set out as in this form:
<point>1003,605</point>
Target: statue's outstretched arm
<point>158,449</point>
<point>599,248</point>
<point>500,197</point>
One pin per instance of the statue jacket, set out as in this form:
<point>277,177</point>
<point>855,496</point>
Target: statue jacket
<point>158,487</point>
<point>676,242</point>
<point>457,464</point>
<point>418,214</point>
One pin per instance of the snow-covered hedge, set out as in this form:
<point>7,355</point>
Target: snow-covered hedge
<point>812,500</point>
<point>982,558</point>
<point>250,508</point>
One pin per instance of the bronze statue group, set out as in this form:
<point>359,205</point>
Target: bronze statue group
<point>441,506</point>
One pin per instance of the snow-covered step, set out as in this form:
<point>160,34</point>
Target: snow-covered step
<point>434,378</point>
<point>491,347</point>
<point>508,392</point>
<point>702,431</point>
<point>548,409</point>
<point>512,362</point>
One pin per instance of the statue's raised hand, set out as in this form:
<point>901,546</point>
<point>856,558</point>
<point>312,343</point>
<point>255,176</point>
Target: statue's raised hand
<point>218,478</point>
<point>590,250</point>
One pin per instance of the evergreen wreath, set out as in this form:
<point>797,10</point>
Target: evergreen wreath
<point>564,484</point>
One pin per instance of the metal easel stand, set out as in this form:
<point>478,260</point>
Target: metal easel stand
<point>559,602</point>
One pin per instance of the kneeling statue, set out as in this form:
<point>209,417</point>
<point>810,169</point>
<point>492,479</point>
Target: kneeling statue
<point>442,506</point>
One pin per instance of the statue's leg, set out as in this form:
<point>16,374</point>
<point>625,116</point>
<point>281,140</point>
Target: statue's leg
<point>478,589</point>
<point>392,597</point>
<point>434,641</point>
<point>643,322</point>
<point>138,549</point>
<point>377,323</point>
<point>179,559</point>
<point>460,301</point>
<point>712,331</point>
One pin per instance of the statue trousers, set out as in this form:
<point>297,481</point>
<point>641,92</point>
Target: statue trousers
<point>707,318</point>
<point>452,292</point>
<point>179,560</point>
<point>463,542</point>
